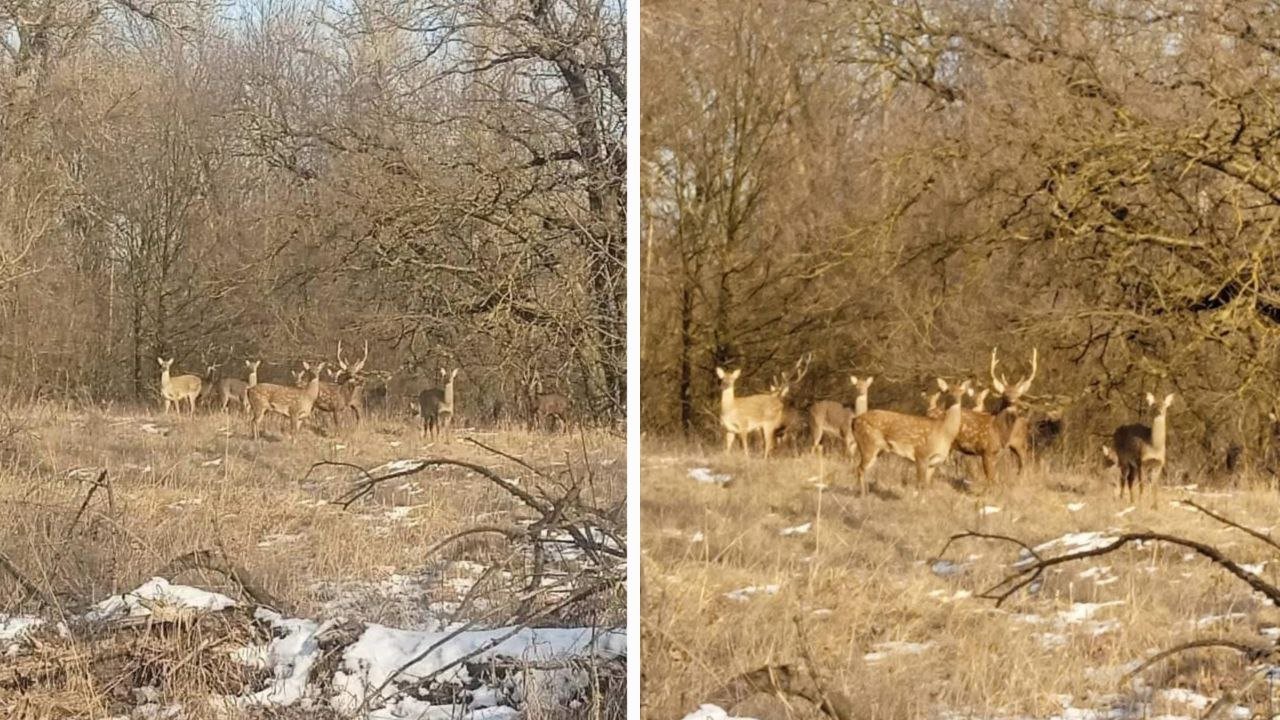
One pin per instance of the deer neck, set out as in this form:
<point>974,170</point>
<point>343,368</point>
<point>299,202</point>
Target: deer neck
<point>313,387</point>
<point>448,394</point>
<point>164,377</point>
<point>253,377</point>
<point>860,405</point>
<point>726,400</point>
<point>1158,430</point>
<point>951,420</point>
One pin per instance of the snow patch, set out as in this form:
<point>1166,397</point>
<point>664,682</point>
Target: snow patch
<point>705,476</point>
<point>744,594</point>
<point>797,530</point>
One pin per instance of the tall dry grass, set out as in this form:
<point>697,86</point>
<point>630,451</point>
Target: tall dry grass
<point>863,576</point>
<point>178,483</point>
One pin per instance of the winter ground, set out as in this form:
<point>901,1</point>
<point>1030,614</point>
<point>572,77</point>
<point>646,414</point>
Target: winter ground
<point>363,597</point>
<point>748,563</point>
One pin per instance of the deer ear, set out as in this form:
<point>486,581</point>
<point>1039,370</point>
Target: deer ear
<point>870,379</point>
<point>942,384</point>
<point>734,375</point>
<point>1168,399</point>
<point>720,372</point>
<point>1151,399</point>
<point>853,379</point>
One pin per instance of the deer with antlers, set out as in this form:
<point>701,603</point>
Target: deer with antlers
<point>924,440</point>
<point>1137,448</point>
<point>766,412</point>
<point>986,435</point>
<point>346,391</point>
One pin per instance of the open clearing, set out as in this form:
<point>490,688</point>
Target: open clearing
<point>749,562</point>
<point>361,593</point>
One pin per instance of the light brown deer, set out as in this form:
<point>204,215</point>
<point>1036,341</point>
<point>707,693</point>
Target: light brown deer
<point>742,416</point>
<point>173,390</point>
<point>1137,448</point>
<point>294,403</point>
<point>923,440</point>
<point>980,399</point>
<point>236,390</point>
<point>831,417</point>
<point>767,412</point>
<point>435,405</point>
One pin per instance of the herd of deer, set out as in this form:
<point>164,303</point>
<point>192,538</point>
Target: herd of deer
<point>928,440</point>
<point>342,390</point>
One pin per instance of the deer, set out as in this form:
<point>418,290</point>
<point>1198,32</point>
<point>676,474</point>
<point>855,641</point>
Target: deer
<point>235,390</point>
<point>829,416</point>
<point>297,376</point>
<point>550,407</point>
<point>1139,447</point>
<point>173,390</point>
<point>926,441</point>
<point>980,400</point>
<point>435,406</point>
<point>294,403</point>
<point>1018,439</point>
<point>765,412</point>
<point>346,391</point>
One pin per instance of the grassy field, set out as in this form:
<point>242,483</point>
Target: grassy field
<point>177,484</point>
<point>787,564</point>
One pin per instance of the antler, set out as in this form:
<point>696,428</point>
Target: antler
<point>996,383</point>
<point>1025,385</point>
<point>355,368</point>
<point>341,363</point>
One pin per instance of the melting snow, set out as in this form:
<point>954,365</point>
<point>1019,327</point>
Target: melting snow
<point>989,510</point>
<point>797,530</point>
<point>744,594</point>
<point>1075,507</point>
<point>704,475</point>
<point>895,647</point>
<point>159,591</point>
<point>711,712</point>
<point>946,568</point>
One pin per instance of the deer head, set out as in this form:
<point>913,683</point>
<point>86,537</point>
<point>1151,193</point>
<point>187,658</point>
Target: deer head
<point>1012,392</point>
<point>355,367</point>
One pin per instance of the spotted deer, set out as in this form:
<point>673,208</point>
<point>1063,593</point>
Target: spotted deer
<point>236,390</point>
<point>346,390</point>
<point>831,417</point>
<point>173,390</point>
<point>924,440</point>
<point>1137,448</point>
<point>294,403</point>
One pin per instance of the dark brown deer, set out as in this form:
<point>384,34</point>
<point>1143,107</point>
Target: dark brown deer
<point>549,408</point>
<point>435,406</point>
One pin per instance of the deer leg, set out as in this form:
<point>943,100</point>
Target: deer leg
<point>989,467</point>
<point>922,472</point>
<point>769,430</point>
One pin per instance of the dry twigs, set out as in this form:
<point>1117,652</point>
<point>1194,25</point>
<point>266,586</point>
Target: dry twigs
<point>1034,566</point>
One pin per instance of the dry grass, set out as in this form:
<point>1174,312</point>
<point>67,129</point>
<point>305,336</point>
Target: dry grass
<point>206,484</point>
<point>863,576</point>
